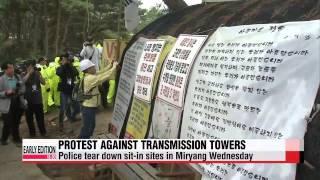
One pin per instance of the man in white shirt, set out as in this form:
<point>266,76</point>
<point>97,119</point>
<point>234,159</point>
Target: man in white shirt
<point>91,52</point>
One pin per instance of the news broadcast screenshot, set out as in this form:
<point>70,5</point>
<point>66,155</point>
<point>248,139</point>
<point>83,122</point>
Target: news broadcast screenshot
<point>160,90</point>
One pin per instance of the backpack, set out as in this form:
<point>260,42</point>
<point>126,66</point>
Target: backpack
<point>78,92</point>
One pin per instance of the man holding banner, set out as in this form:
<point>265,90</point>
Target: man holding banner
<point>90,84</point>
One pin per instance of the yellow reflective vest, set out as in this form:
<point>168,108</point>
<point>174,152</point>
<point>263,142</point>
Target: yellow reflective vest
<point>91,83</point>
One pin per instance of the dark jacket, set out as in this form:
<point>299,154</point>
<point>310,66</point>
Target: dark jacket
<point>68,75</point>
<point>33,89</point>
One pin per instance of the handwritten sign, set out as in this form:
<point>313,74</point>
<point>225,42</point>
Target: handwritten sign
<point>176,68</point>
<point>110,51</point>
<point>165,121</point>
<point>138,122</point>
<point>172,86</point>
<point>126,84</point>
<point>147,68</point>
<point>255,82</point>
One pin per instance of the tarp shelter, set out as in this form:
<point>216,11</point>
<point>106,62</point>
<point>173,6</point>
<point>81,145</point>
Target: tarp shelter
<point>206,18</point>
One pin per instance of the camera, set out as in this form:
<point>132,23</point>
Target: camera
<point>32,63</point>
<point>37,68</point>
<point>20,68</point>
<point>18,85</point>
<point>87,44</point>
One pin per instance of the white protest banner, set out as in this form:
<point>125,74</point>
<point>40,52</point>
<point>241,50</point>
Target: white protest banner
<point>126,84</point>
<point>147,68</point>
<point>138,121</point>
<point>177,67</point>
<point>165,121</point>
<point>253,82</point>
<point>172,86</point>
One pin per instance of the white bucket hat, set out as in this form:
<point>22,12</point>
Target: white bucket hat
<point>85,64</point>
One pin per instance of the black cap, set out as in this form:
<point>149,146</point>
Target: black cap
<point>31,62</point>
<point>41,59</point>
<point>89,39</point>
<point>66,55</point>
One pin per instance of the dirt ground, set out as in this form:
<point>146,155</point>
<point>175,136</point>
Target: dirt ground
<point>70,171</point>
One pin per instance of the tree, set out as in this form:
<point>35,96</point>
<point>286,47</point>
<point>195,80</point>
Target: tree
<point>175,5</point>
<point>58,18</point>
<point>33,28</point>
<point>148,16</point>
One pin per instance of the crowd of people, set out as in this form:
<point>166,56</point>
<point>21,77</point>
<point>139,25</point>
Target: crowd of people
<point>69,83</point>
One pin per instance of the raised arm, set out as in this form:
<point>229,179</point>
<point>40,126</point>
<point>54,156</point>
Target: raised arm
<point>102,77</point>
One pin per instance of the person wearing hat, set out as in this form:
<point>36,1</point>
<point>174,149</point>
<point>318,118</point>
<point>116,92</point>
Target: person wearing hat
<point>90,52</point>
<point>68,75</point>
<point>91,81</point>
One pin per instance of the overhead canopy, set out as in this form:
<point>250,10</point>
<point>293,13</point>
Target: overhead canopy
<point>203,17</point>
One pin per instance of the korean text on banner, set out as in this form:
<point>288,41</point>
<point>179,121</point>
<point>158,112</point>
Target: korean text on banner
<point>138,123</point>
<point>147,68</point>
<point>165,121</point>
<point>254,82</point>
<point>177,66</point>
<point>126,84</point>
<point>172,84</point>
<point>138,120</point>
<point>123,45</point>
<point>170,41</point>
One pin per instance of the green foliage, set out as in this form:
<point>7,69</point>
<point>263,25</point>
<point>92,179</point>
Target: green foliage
<point>75,5</point>
<point>148,16</point>
<point>29,28</point>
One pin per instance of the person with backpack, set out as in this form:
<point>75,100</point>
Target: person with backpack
<point>90,93</point>
<point>92,53</point>
<point>68,75</point>
<point>11,103</point>
<point>33,81</point>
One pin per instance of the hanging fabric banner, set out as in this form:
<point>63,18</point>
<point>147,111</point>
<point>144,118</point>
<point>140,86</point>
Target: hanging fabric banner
<point>253,82</point>
<point>138,121</point>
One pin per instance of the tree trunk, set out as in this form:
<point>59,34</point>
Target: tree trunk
<point>175,5</point>
<point>46,30</point>
<point>65,34</point>
<point>18,21</point>
<point>84,26</point>
<point>35,35</point>
<point>58,27</point>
